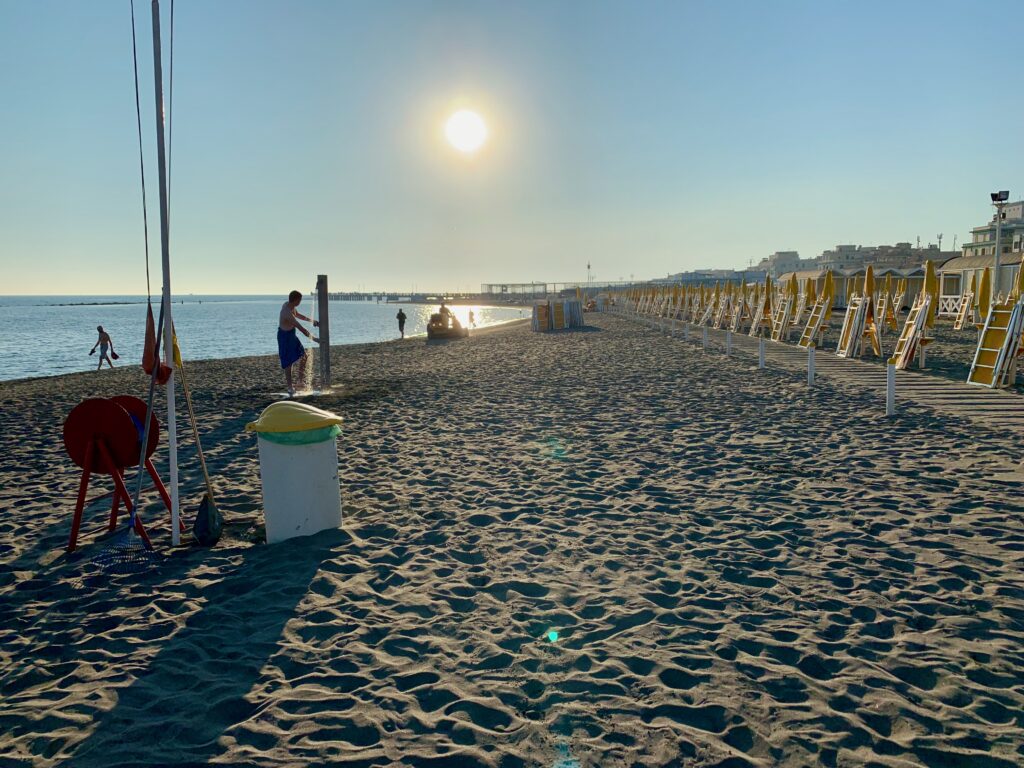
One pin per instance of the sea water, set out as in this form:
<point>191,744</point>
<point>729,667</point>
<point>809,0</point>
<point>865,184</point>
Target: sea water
<point>48,335</point>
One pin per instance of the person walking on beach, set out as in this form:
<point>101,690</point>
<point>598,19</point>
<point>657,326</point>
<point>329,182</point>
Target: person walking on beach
<point>104,342</point>
<point>401,322</point>
<point>289,348</point>
<point>447,317</point>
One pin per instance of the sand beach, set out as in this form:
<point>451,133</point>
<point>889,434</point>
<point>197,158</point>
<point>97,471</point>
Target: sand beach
<point>590,548</point>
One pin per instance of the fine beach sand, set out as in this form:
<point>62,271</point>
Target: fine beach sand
<point>742,571</point>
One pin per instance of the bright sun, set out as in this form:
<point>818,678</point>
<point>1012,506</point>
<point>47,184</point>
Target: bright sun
<point>466,131</point>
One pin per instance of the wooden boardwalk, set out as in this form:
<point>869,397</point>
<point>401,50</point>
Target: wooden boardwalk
<point>990,407</point>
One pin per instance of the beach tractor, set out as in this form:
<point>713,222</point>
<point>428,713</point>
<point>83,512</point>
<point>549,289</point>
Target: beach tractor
<point>444,325</point>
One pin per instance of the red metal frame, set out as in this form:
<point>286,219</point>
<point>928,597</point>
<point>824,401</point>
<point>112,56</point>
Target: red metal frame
<point>98,459</point>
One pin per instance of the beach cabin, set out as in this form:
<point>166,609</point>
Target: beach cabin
<point>845,279</point>
<point>915,283</point>
<point>955,277</point>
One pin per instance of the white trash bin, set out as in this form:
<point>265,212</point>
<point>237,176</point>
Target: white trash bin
<point>298,468</point>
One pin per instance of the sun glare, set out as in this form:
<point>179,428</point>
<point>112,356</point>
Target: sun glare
<point>466,131</point>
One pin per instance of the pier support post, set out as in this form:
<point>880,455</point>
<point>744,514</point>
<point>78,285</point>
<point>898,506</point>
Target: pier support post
<point>890,388</point>
<point>323,300</point>
<point>760,352</point>
<point>810,365</point>
<point>686,331</point>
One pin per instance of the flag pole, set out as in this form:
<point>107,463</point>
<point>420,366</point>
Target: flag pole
<point>172,431</point>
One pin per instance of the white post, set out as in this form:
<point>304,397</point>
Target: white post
<point>172,427</point>
<point>686,330</point>
<point>890,388</point>
<point>673,327</point>
<point>810,365</point>
<point>921,360</point>
<point>728,343</point>
<point>760,352</point>
<point>704,337</point>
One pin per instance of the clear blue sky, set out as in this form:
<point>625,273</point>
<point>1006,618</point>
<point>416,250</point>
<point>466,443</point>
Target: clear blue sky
<point>644,137</point>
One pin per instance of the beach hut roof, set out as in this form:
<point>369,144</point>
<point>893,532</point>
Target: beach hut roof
<point>884,271</point>
<point>960,263</point>
<point>815,274</point>
<point>912,272</point>
<point>802,274</point>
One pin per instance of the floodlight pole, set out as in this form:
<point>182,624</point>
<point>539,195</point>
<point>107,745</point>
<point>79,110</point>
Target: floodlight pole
<point>165,252</point>
<point>998,202</point>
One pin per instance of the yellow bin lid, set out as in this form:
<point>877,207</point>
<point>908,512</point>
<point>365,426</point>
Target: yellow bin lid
<point>291,416</point>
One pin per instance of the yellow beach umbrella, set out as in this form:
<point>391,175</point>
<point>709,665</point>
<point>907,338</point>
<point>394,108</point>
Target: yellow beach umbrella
<point>1017,290</point>
<point>828,292</point>
<point>931,287</point>
<point>983,296</point>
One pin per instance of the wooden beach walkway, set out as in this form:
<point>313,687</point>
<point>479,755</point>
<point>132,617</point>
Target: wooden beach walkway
<point>994,408</point>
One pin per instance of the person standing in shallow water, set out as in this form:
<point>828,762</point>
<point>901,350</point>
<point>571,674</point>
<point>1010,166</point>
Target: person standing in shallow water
<point>289,348</point>
<point>401,322</point>
<point>104,342</point>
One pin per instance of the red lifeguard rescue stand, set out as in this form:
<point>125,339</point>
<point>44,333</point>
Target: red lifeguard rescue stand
<point>103,437</point>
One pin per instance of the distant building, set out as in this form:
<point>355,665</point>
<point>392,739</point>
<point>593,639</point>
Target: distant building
<point>983,238</point>
<point>709,276</point>
<point>901,256</point>
<point>842,257</point>
<point>906,256</point>
<point>980,254</point>
<point>781,262</point>
<point>510,291</point>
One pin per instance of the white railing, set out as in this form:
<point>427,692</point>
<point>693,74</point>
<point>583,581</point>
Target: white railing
<point>949,306</point>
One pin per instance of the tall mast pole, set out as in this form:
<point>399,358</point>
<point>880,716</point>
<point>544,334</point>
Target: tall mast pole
<point>172,430</point>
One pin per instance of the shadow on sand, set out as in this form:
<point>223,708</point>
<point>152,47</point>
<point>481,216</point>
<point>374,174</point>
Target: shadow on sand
<point>196,686</point>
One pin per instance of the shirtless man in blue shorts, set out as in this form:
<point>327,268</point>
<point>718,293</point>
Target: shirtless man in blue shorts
<point>288,345</point>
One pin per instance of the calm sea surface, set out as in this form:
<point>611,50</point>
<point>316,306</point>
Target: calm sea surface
<point>47,335</point>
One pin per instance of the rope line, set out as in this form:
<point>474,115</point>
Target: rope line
<point>170,115</point>
<point>142,163</point>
